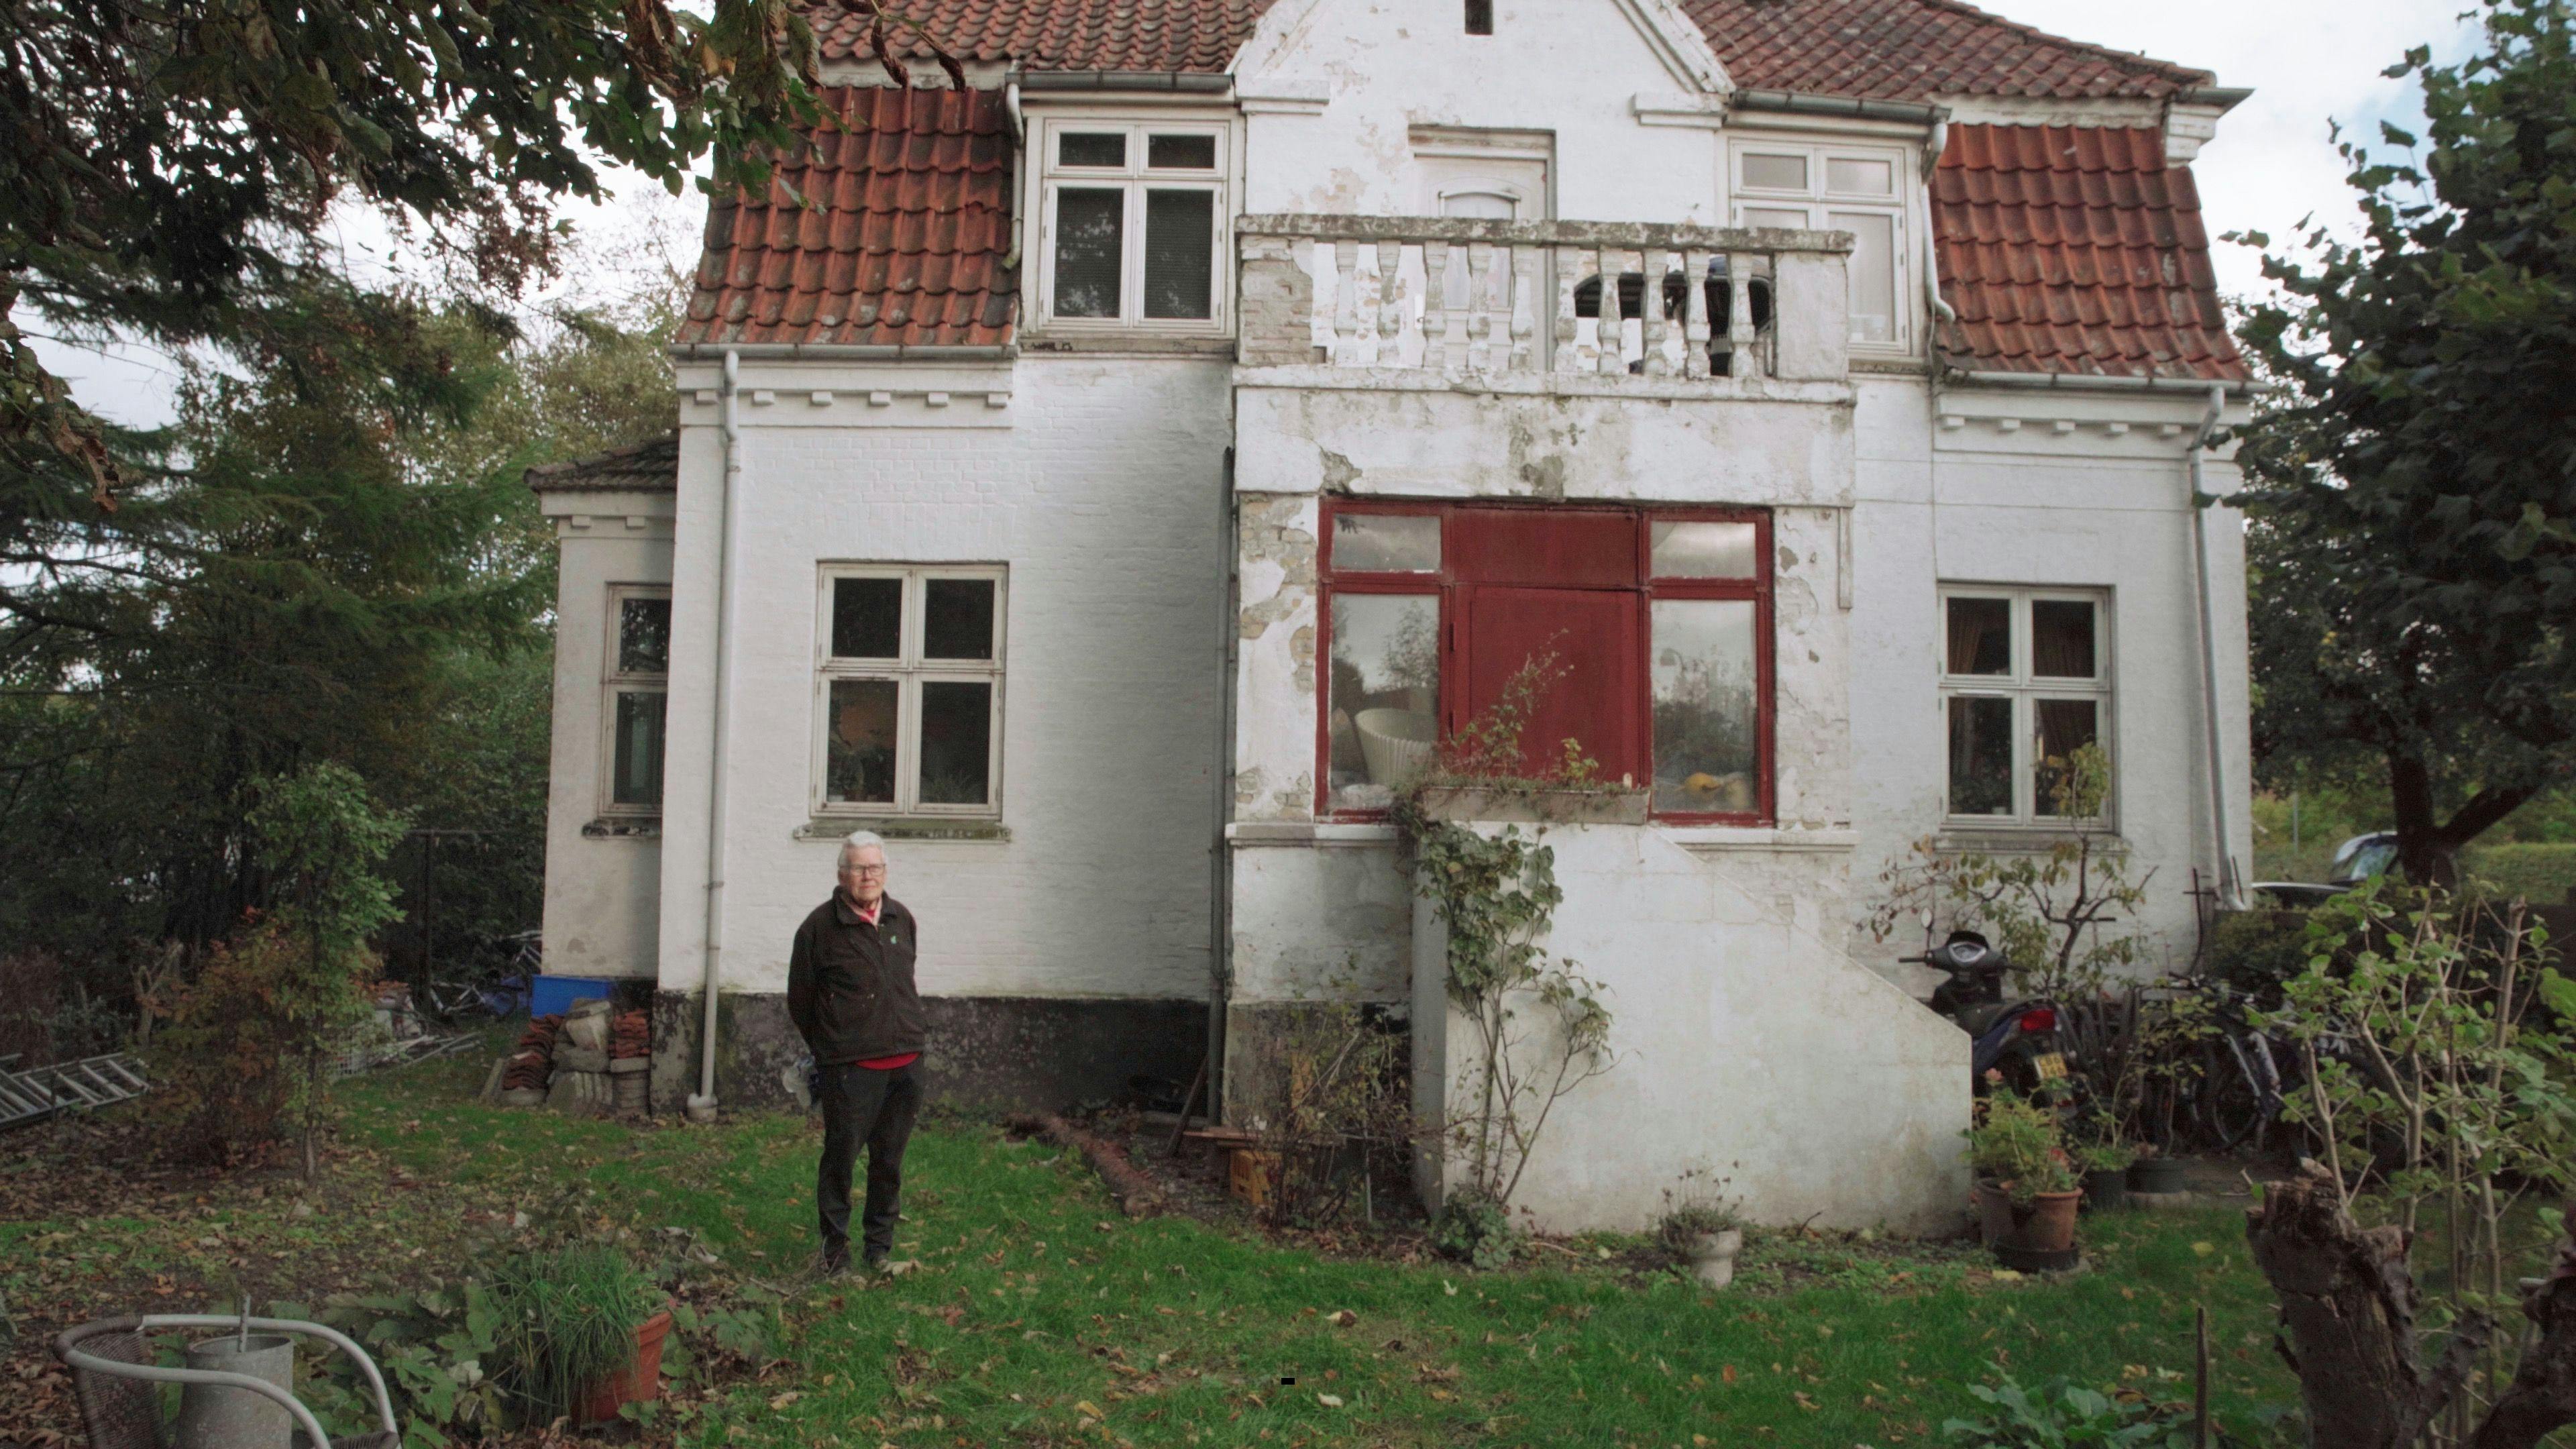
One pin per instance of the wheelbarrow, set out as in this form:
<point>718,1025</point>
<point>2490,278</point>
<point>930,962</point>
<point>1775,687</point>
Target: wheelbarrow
<point>113,1376</point>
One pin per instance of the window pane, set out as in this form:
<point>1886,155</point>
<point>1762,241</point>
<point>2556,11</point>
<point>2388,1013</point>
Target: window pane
<point>1181,153</point>
<point>1385,694</point>
<point>644,636</point>
<point>1090,233</point>
<point>957,619</point>
<point>1703,550</point>
<point>1386,543</point>
<point>1776,173</point>
<point>2065,726</point>
<point>858,742</point>
<point>1180,253</point>
<point>1854,177</point>
<point>636,772</point>
<point>1873,272</point>
<point>1705,696</point>
<point>2061,639</point>
<point>956,742</point>
<point>1980,636</point>
<point>1775,216</point>
<point>1488,205</point>
<point>1981,780</point>
<point>1092,148</point>
<point>867,618</point>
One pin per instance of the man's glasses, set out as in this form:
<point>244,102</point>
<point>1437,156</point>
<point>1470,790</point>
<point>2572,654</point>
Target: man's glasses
<point>864,870</point>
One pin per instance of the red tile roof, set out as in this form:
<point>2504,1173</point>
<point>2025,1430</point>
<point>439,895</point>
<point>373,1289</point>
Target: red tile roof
<point>903,243</point>
<point>2075,250</point>
<point>1888,49</point>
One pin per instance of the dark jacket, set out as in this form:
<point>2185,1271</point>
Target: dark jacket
<point>849,984</point>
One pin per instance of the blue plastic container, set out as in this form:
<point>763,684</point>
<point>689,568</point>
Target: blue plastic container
<point>554,995</point>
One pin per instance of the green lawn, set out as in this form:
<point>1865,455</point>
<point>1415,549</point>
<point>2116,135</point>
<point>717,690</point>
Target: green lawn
<point>1039,1316</point>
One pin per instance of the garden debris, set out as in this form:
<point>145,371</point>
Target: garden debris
<point>40,1092</point>
<point>630,1058</point>
<point>1136,1194</point>
<point>523,1080</point>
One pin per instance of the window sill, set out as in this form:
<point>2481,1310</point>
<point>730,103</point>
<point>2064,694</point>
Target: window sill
<point>838,827</point>
<point>1253,834</point>
<point>624,827</point>
<point>2020,839</point>
<point>1129,344</point>
<point>1761,838</point>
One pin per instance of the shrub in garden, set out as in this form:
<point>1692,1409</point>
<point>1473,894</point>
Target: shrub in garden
<point>221,1085</point>
<point>1477,1230</point>
<point>2255,951</point>
<point>2017,1142</point>
<point>566,1320</point>
<point>2066,1414</point>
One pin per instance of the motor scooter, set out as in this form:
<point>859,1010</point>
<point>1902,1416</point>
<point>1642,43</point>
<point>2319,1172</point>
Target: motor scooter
<point>2015,1039</point>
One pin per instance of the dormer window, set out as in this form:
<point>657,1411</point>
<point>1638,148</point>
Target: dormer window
<point>1480,17</point>
<point>1136,215</point>
<point>1833,188</point>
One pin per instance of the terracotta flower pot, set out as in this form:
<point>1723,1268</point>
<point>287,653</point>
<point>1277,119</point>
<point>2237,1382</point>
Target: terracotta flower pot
<point>2044,1225</point>
<point>639,1383</point>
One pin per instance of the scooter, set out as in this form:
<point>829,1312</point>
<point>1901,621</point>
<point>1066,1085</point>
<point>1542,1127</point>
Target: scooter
<point>2015,1040</point>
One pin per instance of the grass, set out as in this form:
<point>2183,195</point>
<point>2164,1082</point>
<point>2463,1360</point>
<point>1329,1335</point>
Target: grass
<point>1038,1316</point>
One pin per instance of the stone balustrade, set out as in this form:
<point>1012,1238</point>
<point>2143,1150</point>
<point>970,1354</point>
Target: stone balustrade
<point>1464,298</point>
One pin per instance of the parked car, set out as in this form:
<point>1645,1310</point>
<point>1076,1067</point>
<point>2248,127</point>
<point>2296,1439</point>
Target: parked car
<point>2355,861</point>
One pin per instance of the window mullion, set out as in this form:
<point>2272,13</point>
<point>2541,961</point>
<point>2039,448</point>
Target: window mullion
<point>1131,302</point>
<point>907,743</point>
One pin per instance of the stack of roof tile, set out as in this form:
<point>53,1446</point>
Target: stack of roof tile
<point>2076,249</point>
<point>630,1036</point>
<point>531,1062</point>
<point>903,242</point>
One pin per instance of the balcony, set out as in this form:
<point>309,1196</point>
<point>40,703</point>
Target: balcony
<point>1430,302</point>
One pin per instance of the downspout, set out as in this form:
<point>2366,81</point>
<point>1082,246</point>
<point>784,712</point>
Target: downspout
<point>2230,889</point>
<point>1020,138</point>
<point>1221,912</point>
<point>1941,311</point>
<point>702,1107</point>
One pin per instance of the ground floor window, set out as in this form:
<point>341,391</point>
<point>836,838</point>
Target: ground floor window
<point>638,689</point>
<point>909,690</point>
<point>2025,682</point>
<point>1658,622</point>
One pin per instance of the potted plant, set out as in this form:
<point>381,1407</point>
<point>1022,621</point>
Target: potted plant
<point>2026,1191</point>
<point>2105,1166</point>
<point>2155,1173</point>
<point>1707,1237</point>
<point>581,1332</point>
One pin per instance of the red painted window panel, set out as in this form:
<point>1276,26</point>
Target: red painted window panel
<point>1592,634</point>
<point>1556,547</point>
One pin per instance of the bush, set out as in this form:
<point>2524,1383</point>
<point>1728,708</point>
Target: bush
<point>1478,1230</point>
<point>2066,1414</point>
<point>219,1065</point>
<point>566,1321</point>
<point>2541,874</point>
<point>2255,951</point>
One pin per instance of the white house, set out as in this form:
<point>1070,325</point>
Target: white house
<point>1102,479</point>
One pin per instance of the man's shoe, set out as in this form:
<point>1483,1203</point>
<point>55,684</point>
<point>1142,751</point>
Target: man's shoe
<point>836,1262</point>
<point>876,1264</point>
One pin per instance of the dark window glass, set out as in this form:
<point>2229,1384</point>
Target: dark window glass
<point>1181,153</point>
<point>1480,17</point>
<point>1980,636</point>
<point>1981,753</point>
<point>859,741</point>
<point>1090,237</point>
<point>2061,639</point>
<point>637,769</point>
<point>2065,726</point>
<point>957,619</point>
<point>1180,257</point>
<point>1093,148</point>
<point>1706,684</point>
<point>956,743</point>
<point>644,636</point>
<point>867,618</point>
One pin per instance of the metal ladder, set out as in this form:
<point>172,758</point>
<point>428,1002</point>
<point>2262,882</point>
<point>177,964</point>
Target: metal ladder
<point>39,1092</point>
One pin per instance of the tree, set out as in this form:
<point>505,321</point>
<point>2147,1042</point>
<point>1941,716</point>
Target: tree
<point>2412,488</point>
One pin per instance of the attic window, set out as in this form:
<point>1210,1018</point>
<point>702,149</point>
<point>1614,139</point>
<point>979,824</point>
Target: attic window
<point>1134,213</point>
<point>1480,17</point>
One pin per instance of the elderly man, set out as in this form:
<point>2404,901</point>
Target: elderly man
<point>850,993</point>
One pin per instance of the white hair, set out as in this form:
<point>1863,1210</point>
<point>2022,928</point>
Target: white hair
<point>859,840</point>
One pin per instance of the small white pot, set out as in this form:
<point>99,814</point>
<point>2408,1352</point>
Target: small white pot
<point>1712,1257</point>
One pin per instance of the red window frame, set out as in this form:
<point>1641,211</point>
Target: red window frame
<point>1449,581</point>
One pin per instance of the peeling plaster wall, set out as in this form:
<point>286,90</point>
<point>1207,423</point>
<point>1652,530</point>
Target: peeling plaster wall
<point>1948,494</point>
<point>1572,67</point>
<point>1767,1060</point>
<point>1101,483</point>
<point>601,901</point>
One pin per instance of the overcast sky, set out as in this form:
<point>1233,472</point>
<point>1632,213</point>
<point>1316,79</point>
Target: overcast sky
<point>2308,61</point>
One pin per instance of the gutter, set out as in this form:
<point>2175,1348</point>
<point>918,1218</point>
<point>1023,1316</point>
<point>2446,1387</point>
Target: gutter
<point>2230,887</point>
<point>702,1106</point>
<point>840,352</point>
<point>1798,103</point>
<point>2089,382</point>
<point>1184,82</point>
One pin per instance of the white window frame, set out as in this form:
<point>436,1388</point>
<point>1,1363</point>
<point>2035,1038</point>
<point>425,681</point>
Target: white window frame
<point>1816,202</point>
<point>910,670</point>
<point>1049,177</point>
<point>2025,690</point>
<point>614,681</point>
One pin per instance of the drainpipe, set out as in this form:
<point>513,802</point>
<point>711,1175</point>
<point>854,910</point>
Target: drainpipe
<point>1941,310</point>
<point>1020,136</point>
<point>2230,889</point>
<point>1221,872</point>
<point>702,1107</point>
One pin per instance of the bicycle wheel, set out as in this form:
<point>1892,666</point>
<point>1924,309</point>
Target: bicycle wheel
<point>2230,1104</point>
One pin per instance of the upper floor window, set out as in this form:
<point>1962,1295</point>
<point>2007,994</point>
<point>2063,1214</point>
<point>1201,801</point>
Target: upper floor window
<point>638,688</point>
<point>909,690</point>
<point>1831,188</point>
<point>1480,17</point>
<point>2025,682</point>
<point>1136,222</point>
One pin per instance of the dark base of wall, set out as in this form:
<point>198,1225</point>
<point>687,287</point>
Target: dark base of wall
<point>1009,1052</point>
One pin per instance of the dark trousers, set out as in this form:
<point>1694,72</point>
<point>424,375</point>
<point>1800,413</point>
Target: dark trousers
<point>876,1108</point>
